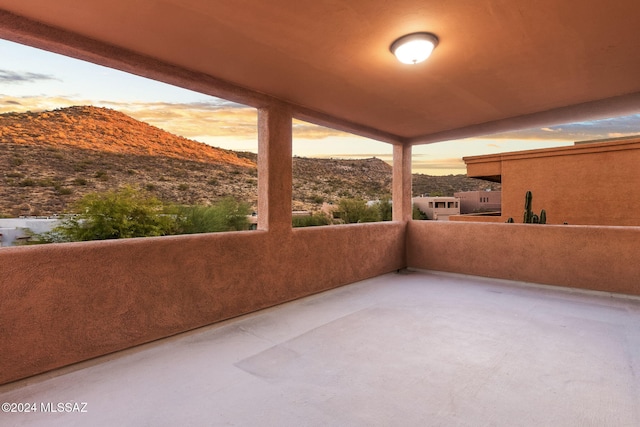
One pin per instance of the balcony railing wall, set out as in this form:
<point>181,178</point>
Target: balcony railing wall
<point>588,257</point>
<point>65,303</point>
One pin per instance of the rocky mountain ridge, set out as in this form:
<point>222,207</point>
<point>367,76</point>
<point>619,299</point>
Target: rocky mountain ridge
<point>50,159</point>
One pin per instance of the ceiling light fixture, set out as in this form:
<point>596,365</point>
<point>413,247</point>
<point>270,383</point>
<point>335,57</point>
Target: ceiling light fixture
<point>414,48</point>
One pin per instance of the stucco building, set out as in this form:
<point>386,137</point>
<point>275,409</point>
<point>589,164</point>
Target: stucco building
<point>479,201</point>
<point>438,208</point>
<point>591,183</point>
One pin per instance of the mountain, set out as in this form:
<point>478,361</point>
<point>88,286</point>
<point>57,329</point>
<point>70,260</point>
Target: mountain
<point>50,159</point>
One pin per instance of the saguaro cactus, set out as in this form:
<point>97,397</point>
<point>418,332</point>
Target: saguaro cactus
<point>528,213</point>
<point>529,217</point>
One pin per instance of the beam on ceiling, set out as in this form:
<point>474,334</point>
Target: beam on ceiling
<point>593,110</point>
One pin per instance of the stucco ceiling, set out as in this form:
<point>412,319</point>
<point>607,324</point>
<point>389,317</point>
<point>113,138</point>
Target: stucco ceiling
<point>500,64</point>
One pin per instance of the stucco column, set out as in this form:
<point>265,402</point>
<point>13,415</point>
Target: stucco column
<point>402,209</point>
<point>274,168</point>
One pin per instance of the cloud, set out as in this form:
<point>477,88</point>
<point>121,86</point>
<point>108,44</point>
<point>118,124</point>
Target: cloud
<point>214,118</point>
<point>451,163</point>
<point>580,131</point>
<point>354,155</point>
<point>305,130</point>
<point>494,145</point>
<point>34,103</point>
<point>14,77</point>
<point>191,120</point>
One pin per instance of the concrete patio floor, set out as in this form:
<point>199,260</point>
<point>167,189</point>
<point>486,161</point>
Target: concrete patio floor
<point>410,349</point>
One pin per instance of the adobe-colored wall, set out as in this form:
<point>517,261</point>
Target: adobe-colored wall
<point>590,184</point>
<point>589,257</point>
<point>476,218</point>
<point>61,304</point>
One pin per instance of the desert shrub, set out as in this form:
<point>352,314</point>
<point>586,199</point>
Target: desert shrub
<point>385,207</point>
<point>115,215</point>
<point>45,182</point>
<point>311,220</point>
<point>317,199</point>
<point>16,161</point>
<point>52,236</point>
<point>101,175</point>
<point>226,215</point>
<point>183,187</point>
<point>28,182</point>
<point>134,213</point>
<point>80,181</point>
<point>418,214</point>
<point>356,210</point>
<point>63,191</point>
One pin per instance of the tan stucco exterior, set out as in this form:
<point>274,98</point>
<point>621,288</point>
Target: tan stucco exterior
<point>65,303</point>
<point>62,304</point>
<point>586,184</point>
<point>479,201</point>
<point>586,257</point>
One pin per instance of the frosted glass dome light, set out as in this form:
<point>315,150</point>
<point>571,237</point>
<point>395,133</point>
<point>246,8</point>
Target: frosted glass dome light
<point>414,48</point>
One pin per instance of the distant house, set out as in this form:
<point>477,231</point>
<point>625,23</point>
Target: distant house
<point>13,230</point>
<point>589,183</point>
<point>479,201</point>
<point>438,208</point>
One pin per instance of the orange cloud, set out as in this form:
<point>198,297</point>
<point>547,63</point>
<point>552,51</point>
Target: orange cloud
<point>305,130</point>
<point>188,120</point>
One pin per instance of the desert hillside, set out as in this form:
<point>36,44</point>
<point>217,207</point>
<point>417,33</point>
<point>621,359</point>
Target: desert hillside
<point>50,159</point>
<point>107,131</point>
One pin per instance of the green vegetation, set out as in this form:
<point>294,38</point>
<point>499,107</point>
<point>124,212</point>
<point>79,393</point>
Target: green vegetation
<point>226,215</point>
<point>311,220</point>
<point>16,161</point>
<point>27,182</point>
<point>352,211</point>
<point>418,214</point>
<point>112,215</point>
<point>349,211</point>
<point>132,213</point>
<point>101,175</point>
<point>129,212</point>
<point>63,191</point>
<point>385,206</point>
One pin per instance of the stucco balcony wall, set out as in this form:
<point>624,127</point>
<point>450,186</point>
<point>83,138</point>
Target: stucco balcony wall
<point>65,303</point>
<point>602,258</point>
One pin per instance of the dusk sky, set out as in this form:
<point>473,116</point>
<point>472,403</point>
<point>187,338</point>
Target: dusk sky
<point>36,80</point>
